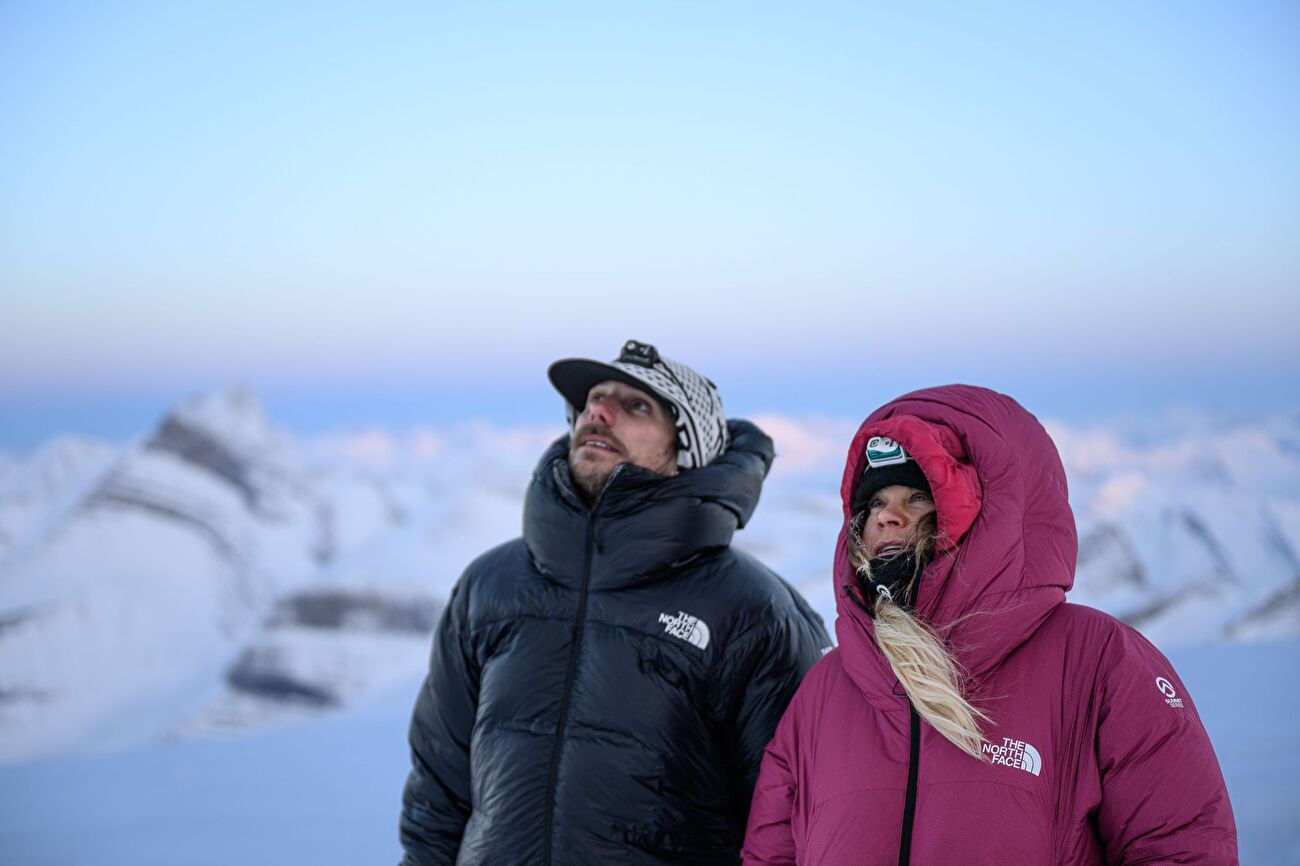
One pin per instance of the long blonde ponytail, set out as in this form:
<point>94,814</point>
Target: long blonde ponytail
<point>917,655</point>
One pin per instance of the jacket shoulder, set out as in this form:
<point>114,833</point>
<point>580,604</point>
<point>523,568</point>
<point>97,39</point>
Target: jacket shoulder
<point>762,605</point>
<point>1083,620</point>
<point>1083,627</point>
<point>503,560</point>
<point>492,578</point>
<point>1121,656</point>
<point>823,686</point>
<point>753,585</point>
<point>823,677</point>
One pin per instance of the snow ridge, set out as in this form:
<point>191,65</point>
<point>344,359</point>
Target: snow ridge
<point>220,575</point>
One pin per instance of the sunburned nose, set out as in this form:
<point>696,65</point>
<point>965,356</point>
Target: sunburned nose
<point>891,515</point>
<point>597,414</point>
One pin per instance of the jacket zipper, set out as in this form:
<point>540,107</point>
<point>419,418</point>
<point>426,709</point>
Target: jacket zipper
<point>909,804</point>
<point>553,778</point>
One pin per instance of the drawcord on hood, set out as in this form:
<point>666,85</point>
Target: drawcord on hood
<point>889,579</point>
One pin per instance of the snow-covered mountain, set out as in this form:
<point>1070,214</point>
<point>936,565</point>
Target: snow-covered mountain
<point>219,575</point>
<point>1191,538</point>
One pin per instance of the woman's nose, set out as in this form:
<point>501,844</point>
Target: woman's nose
<point>891,515</point>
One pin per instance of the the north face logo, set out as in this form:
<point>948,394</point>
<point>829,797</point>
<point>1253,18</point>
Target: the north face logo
<point>689,628</point>
<point>1015,753</point>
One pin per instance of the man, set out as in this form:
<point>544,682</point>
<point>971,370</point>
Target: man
<point>601,689</point>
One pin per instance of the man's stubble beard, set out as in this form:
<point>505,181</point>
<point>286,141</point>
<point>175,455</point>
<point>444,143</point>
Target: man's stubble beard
<point>591,479</point>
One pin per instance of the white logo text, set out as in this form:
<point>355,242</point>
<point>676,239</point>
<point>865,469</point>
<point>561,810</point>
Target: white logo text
<point>1015,753</point>
<point>1171,694</point>
<point>689,628</point>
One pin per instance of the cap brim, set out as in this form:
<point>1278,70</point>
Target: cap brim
<point>575,377</point>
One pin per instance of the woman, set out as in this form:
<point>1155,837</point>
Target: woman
<point>969,714</point>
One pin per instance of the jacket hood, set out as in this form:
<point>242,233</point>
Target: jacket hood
<point>644,522</point>
<point>1007,539</point>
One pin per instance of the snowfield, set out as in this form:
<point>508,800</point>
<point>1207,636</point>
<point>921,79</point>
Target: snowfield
<point>211,637</point>
<point>328,793</point>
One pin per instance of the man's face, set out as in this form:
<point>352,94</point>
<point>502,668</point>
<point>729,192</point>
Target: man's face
<point>620,424</point>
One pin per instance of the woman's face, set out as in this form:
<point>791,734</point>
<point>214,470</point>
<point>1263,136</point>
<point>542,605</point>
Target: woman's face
<point>893,515</point>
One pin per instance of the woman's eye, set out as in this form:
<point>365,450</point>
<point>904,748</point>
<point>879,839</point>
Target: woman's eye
<point>920,497</point>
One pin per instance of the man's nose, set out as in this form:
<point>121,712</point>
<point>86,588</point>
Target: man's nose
<point>597,412</point>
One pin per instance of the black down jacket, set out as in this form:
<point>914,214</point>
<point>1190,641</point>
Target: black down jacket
<point>601,690</point>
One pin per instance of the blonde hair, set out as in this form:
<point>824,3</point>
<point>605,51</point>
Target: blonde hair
<point>916,653</point>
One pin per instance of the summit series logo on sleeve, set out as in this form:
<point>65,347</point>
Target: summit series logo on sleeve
<point>1171,694</point>
<point>689,628</point>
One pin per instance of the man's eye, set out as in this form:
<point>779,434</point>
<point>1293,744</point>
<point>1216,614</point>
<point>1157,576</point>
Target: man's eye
<point>641,406</point>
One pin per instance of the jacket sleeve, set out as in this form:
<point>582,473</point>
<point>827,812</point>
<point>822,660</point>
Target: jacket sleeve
<point>436,799</point>
<point>769,838</point>
<point>1163,799</point>
<point>769,663</point>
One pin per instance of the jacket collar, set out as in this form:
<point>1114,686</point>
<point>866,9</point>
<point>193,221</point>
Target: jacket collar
<point>645,523</point>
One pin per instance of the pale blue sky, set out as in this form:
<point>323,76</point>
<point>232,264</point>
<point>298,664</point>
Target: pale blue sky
<point>386,212</point>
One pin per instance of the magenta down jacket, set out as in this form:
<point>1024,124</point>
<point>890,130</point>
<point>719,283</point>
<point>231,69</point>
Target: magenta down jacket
<point>1095,754</point>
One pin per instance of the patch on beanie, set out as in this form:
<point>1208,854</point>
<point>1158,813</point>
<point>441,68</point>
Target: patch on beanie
<point>883,451</point>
